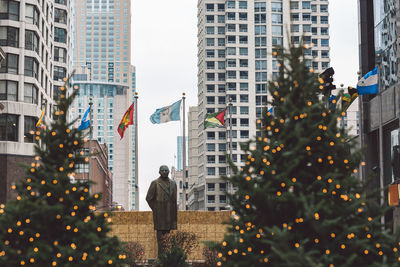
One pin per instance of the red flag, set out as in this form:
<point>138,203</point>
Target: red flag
<point>127,120</point>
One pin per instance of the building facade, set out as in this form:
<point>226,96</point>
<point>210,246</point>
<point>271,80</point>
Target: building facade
<point>103,54</point>
<point>236,40</point>
<point>176,175</point>
<point>101,174</point>
<point>35,38</point>
<point>380,113</point>
<point>108,107</point>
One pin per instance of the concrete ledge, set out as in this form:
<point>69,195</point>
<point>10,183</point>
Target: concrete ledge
<point>137,226</point>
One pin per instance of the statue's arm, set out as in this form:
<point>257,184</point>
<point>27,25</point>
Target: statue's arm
<point>151,194</point>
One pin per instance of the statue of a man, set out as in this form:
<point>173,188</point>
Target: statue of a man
<point>161,198</point>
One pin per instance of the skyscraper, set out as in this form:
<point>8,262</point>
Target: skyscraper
<point>236,61</point>
<point>103,54</point>
<point>35,36</point>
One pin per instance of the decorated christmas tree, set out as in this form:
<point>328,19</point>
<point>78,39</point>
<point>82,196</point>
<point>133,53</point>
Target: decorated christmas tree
<point>52,222</point>
<point>299,201</point>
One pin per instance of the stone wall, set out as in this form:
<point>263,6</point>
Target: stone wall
<point>137,226</point>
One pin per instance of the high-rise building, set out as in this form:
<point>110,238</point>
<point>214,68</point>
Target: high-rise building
<point>103,56</point>
<point>379,29</point>
<point>236,61</point>
<point>35,37</point>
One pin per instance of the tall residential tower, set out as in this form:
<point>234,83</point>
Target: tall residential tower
<point>102,58</point>
<point>236,61</point>
<point>35,37</point>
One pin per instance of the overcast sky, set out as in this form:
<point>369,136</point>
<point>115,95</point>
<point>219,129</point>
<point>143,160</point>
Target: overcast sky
<point>164,48</point>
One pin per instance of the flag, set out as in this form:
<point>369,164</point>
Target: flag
<point>270,111</point>
<point>346,97</point>
<point>127,120</point>
<point>368,84</point>
<point>332,102</point>
<point>40,123</point>
<point>352,91</point>
<point>166,114</point>
<point>349,98</point>
<point>216,119</point>
<point>84,122</point>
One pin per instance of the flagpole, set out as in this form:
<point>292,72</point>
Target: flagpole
<point>230,141</point>
<point>90,142</point>
<point>136,153</point>
<point>184,155</point>
<point>381,170</point>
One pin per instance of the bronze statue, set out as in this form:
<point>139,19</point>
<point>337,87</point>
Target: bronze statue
<point>161,198</point>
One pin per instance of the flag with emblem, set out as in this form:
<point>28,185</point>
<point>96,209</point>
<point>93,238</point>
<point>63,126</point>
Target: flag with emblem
<point>166,114</point>
<point>216,119</point>
<point>127,120</point>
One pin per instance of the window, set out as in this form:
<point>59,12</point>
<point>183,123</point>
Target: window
<point>210,7</point>
<point>230,16</point>
<point>210,198</point>
<point>244,134</point>
<point>8,127</point>
<point>231,27</point>
<point>244,75</point>
<point>210,76</point>
<point>210,171</point>
<point>210,147</point>
<point>261,88</point>
<point>32,14</point>
<point>260,29</point>
<point>242,27</point>
<point>222,170</point>
<point>295,16</point>
<point>295,28</point>
<point>210,100</point>
<point>260,18</point>
<point>210,53</point>
<point>243,39</point>
<point>261,64</point>
<point>306,5</point>
<point>261,100</point>
<point>231,63</point>
<point>243,51</point>
<point>261,76</point>
<point>306,28</point>
<point>221,7</point>
<point>294,5</point>
<point>324,42</point>
<point>9,10</point>
<point>60,16</point>
<point>243,63</point>
<point>230,4</point>
<point>242,4</point>
<point>221,30</point>
<point>242,16</point>
<point>29,128</point>
<point>210,41</point>
<point>244,110</point>
<point>260,7</point>
<point>30,93</point>
<point>221,19</point>
<point>306,16</point>
<point>325,65</point>
<point>8,90</point>
<point>231,74</point>
<point>210,30</point>
<point>231,39</point>
<point>260,41</point>
<point>324,54</point>
<point>31,41</point>
<point>210,159</point>
<point>31,67</point>
<point>210,187</point>
<point>231,51</point>
<point>222,136</point>
<point>276,18</point>
<point>9,36</point>
<point>324,31</point>
<point>244,122</point>
<point>276,6</point>
<point>231,86</point>
<point>59,73</point>
<point>277,41</point>
<point>324,19</point>
<point>60,35</point>
<point>244,98</point>
<point>210,19</point>
<point>10,65</point>
<point>222,186</point>
<point>60,54</point>
<point>261,53</point>
<point>62,2</point>
<point>277,30</point>
<point>221,148</point>
<point>324,8</point>
<point>244,86</point>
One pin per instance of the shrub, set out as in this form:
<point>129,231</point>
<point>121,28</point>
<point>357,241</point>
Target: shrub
<point>134,252</point>
<point>185,240</point>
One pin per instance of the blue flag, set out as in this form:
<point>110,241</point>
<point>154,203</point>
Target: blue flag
<point>368,84</point>
<point>166,114</point>
<point>84,122</point>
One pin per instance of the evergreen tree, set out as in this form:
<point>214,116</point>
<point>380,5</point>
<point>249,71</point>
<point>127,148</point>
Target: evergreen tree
<point>299,201</point>
<point>52,222</point>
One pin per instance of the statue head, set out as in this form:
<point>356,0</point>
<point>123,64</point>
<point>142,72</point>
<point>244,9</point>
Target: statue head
<point>164,171</point>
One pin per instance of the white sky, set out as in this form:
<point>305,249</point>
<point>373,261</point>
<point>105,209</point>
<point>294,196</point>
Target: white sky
<point>164,48</point>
